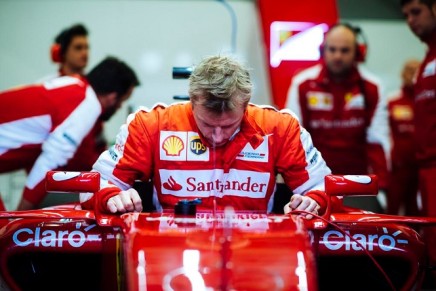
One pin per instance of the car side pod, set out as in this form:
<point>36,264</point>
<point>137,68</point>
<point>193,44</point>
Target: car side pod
<point>72,182</point>
<point>80,182</point>
<point>349,185</point>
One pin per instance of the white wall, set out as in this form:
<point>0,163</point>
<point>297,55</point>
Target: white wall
<point>151,36</point>
<point>155,36</point>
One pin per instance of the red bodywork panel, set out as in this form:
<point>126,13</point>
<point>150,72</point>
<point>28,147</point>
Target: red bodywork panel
<point>284,22</point>
<point>65,247</point>
<point>253,252</point>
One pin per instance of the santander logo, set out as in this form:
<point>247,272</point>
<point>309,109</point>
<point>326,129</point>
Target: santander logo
<point>214,183</point>
<point>172,185</point>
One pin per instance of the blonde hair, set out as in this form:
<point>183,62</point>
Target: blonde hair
<point>220,83</point>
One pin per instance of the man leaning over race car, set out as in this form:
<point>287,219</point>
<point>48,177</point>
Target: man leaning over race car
<point>216,147</point>
<point>43,125</point>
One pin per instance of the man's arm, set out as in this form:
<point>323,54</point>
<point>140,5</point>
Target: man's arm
<point>303,169</point>
<point>112,200</point>
<point>128,160</point>
<point>303,203</point>
<point>62,143</point>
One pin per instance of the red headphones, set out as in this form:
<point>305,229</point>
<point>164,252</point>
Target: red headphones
<point>55,53</point>
<point>361,44</point>
<point>361,51</point>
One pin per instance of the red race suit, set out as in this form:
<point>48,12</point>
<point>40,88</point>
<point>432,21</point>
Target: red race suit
<point>42,126</point>
<point>403,176</point>
<point>347,120</point>
<point>164,144</point>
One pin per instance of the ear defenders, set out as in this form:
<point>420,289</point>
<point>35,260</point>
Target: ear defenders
<point>361,51</point>
<point>361,44</point>
<point>55,53</point>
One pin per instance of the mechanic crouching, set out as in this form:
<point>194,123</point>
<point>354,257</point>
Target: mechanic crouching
<point>216,147</point>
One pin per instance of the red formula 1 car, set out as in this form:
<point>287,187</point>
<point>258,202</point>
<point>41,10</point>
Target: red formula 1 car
<point>67,248</point>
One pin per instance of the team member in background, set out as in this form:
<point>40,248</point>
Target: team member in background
<point>71,50</point>
<point>403,176</point>
<point>43,125</point>
<point>343,109</point>
<point>216,147</point>
<point>421,18</point>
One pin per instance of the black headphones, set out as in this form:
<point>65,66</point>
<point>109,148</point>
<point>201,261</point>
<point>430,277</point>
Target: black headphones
<point>361,43</point>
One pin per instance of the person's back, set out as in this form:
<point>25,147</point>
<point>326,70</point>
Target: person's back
<point>42,126</point>
<point>342,107</point>
<point>40,109</point>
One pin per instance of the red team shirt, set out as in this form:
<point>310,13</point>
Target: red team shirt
<point>403,181</point>
<point>42,126</point>
<point>347,120</point>
<point>425,134</point>
<point>171,151</point>
<point>92,145</point>
<point>401,122</point>
<point>425,108</point>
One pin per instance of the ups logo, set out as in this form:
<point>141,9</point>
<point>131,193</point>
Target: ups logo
<point>196,146</point>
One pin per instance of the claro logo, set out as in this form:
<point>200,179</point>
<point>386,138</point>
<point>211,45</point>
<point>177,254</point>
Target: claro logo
<point>335,240</point>
<point>52,238</point>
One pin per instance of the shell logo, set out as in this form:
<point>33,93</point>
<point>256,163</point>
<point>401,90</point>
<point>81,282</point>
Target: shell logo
<point>313,100</point>
<point>348,97</point>
<point>173,145</point>
<point>402,112</point>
